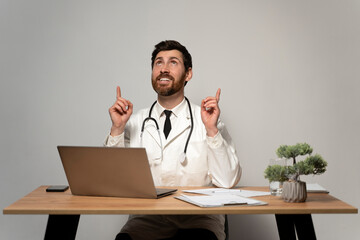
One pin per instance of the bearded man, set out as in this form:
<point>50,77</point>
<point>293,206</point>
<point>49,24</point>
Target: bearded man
<point>193,149</point>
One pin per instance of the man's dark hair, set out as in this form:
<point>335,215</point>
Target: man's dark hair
<point>168,45</point>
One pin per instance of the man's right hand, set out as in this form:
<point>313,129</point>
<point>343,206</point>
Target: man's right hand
<point>120,113</point>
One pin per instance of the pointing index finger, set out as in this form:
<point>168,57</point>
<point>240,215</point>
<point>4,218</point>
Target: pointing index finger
<point>118,92</point>
<point>218,95</point>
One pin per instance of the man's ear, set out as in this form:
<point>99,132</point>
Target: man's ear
<point>188,75</point>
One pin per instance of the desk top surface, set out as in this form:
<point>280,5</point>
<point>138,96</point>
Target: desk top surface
<point>41,202</point>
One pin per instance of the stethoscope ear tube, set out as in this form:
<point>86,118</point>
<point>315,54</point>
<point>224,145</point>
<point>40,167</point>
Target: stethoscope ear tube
<point>157,129</point>
<point>191,128</point>
<point>152,119</point>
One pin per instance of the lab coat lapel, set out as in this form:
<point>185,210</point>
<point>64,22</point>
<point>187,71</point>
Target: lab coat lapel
<point>183,123</point>
<point>152,131</point>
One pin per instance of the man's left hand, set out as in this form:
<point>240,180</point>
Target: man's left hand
<point>210,113</point>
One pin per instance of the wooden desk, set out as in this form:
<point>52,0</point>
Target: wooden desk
<point>65,209</point>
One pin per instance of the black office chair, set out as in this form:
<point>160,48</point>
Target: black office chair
<point>125,236</point>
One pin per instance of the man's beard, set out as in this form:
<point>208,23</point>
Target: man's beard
<point>174,87</point>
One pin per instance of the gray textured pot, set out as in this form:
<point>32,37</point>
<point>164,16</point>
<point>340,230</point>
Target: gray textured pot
<point>294,191</point>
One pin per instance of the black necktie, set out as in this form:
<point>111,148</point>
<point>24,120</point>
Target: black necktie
<point>167,125</point>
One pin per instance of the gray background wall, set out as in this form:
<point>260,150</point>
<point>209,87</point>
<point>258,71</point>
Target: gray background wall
<point>289,72</point>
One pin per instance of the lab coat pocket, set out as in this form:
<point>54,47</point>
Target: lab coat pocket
<point>153,150</point>
<point>154,156</point>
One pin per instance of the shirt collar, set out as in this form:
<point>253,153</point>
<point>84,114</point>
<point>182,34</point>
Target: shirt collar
<point>176,110</point>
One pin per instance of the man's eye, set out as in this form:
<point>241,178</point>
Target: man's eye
<point>174,63</point>
<point>158,63</point>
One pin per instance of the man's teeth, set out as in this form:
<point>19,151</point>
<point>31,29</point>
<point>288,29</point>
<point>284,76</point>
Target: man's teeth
<point>164,79</point>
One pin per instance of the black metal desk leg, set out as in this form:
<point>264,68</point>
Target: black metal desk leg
<point>285,226</point>
<point>304,227</point>
<point>62,227</point>
<point>302,222</point>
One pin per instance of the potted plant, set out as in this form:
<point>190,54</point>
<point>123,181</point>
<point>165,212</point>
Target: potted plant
<point>294,190</point>
<point>277,175</point>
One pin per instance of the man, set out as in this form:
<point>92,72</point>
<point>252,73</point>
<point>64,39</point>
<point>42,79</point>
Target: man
<point>210,155</point>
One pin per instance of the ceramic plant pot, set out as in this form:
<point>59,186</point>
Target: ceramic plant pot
<point>294,191</point>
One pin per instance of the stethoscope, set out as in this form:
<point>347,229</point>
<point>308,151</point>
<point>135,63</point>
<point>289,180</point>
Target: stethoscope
<point>183,155</point>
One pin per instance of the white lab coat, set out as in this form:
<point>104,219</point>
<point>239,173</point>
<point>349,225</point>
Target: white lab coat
<point>208,160</point>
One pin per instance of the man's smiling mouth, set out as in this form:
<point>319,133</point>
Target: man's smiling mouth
<point>165,78</point>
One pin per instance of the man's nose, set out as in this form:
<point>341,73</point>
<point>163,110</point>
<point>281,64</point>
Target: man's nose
<point>164,69</point>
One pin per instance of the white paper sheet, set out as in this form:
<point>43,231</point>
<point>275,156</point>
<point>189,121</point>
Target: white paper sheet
<point>237,192</point>
<point>219,200</point>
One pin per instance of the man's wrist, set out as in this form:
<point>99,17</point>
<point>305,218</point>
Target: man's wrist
<point>116,131</point>
<point>211,132</point>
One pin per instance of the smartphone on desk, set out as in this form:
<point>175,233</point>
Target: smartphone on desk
<point>57,188</point>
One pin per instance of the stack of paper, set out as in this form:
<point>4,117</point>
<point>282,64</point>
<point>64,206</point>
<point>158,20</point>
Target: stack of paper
<point>219,200</point>
<point>217,197</point>
<point>238,192</point>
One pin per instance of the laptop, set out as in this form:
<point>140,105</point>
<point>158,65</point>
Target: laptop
<point>109,172</point>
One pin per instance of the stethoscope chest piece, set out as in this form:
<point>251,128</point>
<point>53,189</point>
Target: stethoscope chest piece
<point>183,159</point>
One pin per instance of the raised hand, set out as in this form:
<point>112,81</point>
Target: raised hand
<point>120,113</point>
<point>210,113</point>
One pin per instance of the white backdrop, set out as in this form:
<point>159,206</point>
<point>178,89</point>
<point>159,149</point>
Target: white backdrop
<point>289,72</point>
